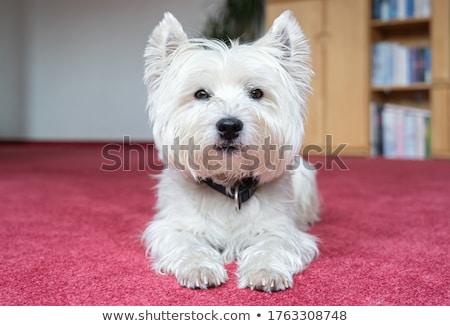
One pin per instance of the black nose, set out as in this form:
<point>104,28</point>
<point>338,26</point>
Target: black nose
<point>229,128</point>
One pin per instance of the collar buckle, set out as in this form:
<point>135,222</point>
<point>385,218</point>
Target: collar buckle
<point>237,201</point>
<point>242,192</point>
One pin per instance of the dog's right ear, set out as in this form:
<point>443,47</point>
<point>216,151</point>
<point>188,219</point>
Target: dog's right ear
<point>164,40</point>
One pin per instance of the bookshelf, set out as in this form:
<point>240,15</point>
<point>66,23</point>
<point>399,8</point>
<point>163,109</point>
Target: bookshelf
<point>421,23</point>
<point>402,88</point>
<point>342,34</point>
<point>418,34</point>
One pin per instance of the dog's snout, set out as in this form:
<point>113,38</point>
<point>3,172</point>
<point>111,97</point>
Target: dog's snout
<point>229,128</point>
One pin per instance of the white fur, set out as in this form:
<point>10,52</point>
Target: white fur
<point>197,230</point>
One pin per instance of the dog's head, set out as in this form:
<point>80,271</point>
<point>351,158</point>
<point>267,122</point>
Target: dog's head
<point>228,112</point>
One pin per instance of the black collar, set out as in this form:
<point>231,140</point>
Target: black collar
<point>242,192</point>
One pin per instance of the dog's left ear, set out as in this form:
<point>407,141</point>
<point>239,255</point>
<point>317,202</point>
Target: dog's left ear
<point>287,38</point>
<point>286,42</point>
<point>164,40</point>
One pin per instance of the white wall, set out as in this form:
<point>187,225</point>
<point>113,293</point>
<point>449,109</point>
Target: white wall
<point>83,66</point>
<point>12,110</point>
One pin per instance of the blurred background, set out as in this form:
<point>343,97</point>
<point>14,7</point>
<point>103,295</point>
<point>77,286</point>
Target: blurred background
<point>72,70</point>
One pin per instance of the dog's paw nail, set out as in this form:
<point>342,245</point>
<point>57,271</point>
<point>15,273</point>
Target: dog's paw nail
<point>272,285</point>
<point>218,282</point>
<point>263,282</point>
<point>286,284</point>
<point>205,280</point>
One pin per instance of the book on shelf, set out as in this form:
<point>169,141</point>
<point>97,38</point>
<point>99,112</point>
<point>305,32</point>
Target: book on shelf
<point>398,131</point>
<point>395,64</point>
<point>400,9</point>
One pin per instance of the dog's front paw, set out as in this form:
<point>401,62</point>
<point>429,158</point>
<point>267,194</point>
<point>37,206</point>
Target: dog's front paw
<point>265,280</point>
<point>201,277</point>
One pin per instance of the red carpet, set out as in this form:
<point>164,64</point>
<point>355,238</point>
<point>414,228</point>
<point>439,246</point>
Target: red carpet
<point>70,235</point>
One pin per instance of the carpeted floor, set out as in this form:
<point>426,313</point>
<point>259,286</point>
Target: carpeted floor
<point>69,235</point>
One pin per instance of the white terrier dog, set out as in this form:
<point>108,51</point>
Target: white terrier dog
<point>228,123</point>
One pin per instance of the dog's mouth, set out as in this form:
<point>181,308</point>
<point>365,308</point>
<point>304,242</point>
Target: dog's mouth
<point>228,147</point>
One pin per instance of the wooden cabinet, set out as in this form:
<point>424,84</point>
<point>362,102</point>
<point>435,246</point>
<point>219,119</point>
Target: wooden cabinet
<point>440,113</point>
<point>440,41</point>
<point>310,14</point>
<point>341,34</point>
<point>347,74</point>
<point>440,92</point>
<point>338,105</point>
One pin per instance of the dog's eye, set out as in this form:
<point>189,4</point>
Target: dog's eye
<point>201,94</point>
<point>256,93</point>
